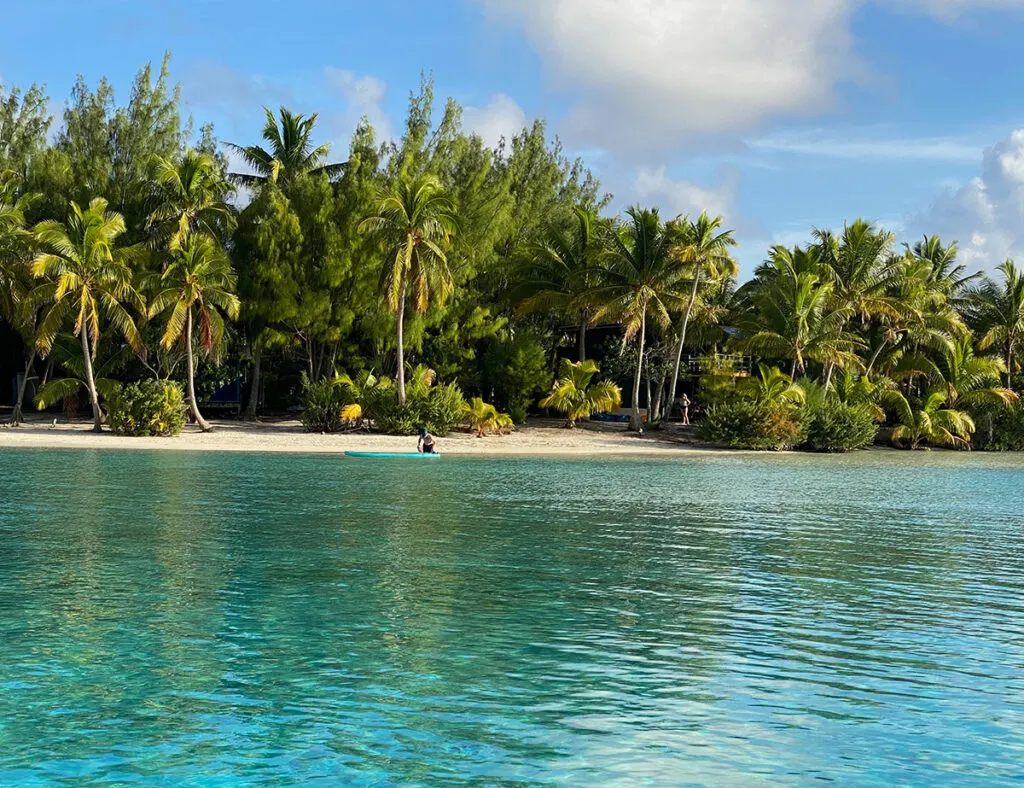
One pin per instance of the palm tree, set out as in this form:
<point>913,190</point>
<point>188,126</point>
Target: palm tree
<point>482,416</point>
<point>574,395</point>
<point>291,152</point>
<point>12,231</point>
<point>1001,313</point>
<point>969,381</point>
<point>193,198</point>
<point>705,247</point>
<point>18,304</point>
<point>945,274</point>
<point>772,386</point>
<point>197,284</point>
<point>860,266</point>
<point>930,422</point>
<point>862,271</point>
<point>358,393</point>
<point>559,271</point>
<point>639,282</point>
<point>791,313</point>
<point>859,391</point>
<point>416,223</point>
<point>92,278</point>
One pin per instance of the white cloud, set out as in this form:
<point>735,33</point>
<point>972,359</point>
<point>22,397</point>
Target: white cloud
<point>364,97</point>
<point>684,197</point>
<point>649,72</point>
<point>986,216</point>
<point>503,117</point>
<point>647,75</point>
<point>826,144</point>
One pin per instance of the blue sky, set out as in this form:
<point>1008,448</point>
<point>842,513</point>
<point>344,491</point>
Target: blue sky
<point>781,114</point>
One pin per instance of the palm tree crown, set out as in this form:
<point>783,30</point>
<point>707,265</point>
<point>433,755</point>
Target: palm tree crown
<point>794,314</point>
<point>558,271</point>
<point>1000,309</point>
<point>193,198</point>
<point>291,152</point>
<point>92,276</point>
<point>575,395</point>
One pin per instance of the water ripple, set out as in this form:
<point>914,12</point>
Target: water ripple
<point>170,619</point>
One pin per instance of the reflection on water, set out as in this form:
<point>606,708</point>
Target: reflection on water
<point>271,619</point>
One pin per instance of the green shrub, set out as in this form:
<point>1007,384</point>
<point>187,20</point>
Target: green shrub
<point>322,402</point>
<point>148,408</point>
<point>746,424</point>
<point>397,420</point>
<point>834,426</point>
<point>517,372</point>
<point>437,409</point>
<point>1001,429</point>
<point>444,409</point>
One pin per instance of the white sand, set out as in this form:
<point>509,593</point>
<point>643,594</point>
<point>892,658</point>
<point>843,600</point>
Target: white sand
<point>539,439</point>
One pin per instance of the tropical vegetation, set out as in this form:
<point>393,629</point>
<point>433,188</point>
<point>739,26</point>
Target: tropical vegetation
<point>434,280</point>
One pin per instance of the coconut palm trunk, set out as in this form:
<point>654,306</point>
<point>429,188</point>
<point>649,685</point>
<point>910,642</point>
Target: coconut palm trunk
<point>829,371</point>
<point>636,421</point>
<point>190,367</point>
<point>400,339</point>
<point>874,358</point>
<point>682,339</point>
<point>583,338</point>
<point>659,396</point>
<point>17,417</point>
<point>1009,364</point>
<point>254,394</point>
<point>90,382</point>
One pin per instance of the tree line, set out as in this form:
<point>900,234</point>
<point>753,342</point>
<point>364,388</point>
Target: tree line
<point>133,245</point>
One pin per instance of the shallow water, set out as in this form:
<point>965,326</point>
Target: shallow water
<point>174,618</point>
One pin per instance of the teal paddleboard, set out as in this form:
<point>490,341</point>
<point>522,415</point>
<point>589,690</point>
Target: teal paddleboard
<point>386,455</point>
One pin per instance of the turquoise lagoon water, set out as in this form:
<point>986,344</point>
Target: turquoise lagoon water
<point>192,619</point>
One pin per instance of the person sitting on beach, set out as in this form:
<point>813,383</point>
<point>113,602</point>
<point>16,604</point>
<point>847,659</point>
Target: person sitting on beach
<point>684,406</point>
<point>426,443</point>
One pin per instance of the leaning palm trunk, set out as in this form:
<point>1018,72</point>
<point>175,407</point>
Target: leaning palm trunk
<point>874,359</point>
<point>636,421</point>
<point>400,350</point>
<point>831,368</point>
<point>90,382</point>
<point>191,375</point>
<point>682,339</point>
<point>17,417</point>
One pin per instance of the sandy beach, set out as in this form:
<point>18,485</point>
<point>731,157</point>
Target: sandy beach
<point>536,439</point>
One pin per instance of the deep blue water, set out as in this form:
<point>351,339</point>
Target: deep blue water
<point>193,619</point>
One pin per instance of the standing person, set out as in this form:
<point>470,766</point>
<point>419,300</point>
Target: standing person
<point>684,406</point>
<point>426,444</point>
